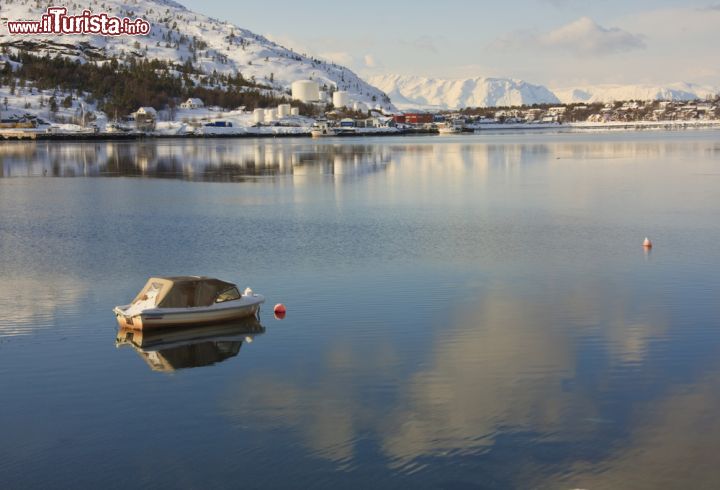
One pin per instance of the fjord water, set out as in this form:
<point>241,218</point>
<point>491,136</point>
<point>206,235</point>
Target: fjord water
<point>463,312</point>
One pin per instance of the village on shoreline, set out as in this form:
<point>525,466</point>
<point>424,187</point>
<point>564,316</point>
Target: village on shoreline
<point>309,108</point>
<point>194,120</point>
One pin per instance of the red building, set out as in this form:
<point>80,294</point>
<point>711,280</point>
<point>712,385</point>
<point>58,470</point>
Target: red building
<point>413,118</point>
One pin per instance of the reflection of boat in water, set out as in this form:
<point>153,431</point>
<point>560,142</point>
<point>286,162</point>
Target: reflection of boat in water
<point>187,301</point>
<point>178,348</point>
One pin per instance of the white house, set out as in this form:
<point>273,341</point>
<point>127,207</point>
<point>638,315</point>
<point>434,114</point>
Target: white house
<point>145,119</point>
<point>192,104</point>
<point>147,112</point>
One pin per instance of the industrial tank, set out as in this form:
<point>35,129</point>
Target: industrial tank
<point>283,110</point>
<point>341,98</point>
<point>306,91</point>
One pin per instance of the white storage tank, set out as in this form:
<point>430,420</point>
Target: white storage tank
<point>359,106</point>
<point>259,115</point>
<point>341,98</point>
<point>305,90</point>
<point>294,111</point>
<point>270,114</point>
<point>283,110</point>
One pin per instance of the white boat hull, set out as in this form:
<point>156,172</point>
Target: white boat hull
<point>450,130</point>
<point>183,317</point>
<point>322,133</point>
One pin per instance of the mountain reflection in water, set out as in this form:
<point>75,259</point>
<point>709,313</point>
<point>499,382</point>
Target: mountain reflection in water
<point>211,161</point>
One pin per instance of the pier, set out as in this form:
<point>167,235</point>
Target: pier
<point>17,134</point>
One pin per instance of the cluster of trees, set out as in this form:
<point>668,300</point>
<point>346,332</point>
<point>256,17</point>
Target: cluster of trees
<point>490,111</point>
<point>121,87</point>
<point>343,112</point>
<point>630,110</point>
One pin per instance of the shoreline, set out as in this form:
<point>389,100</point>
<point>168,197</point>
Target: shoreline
<point>29,135</point>
<point>611,125</point>
<point>18,135</point>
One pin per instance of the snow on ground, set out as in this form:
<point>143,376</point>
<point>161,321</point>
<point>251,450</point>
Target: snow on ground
<point>30,100</point>
<point>179,35</point>
<point>194,121</point>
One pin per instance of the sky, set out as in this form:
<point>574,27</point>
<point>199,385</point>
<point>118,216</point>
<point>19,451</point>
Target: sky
<point>558,43</point>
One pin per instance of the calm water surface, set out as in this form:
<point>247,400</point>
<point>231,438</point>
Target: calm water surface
<point>463,312</point>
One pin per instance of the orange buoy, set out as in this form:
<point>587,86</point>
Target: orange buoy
<point>279,311</point>
<point>647,243</point>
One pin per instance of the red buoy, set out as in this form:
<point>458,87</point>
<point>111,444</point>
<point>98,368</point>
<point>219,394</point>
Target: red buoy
<point>279,311</point>
<point>647,243</point>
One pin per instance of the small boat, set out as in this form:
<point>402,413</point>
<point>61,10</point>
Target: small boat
<point>451,127</point>
<point>115,128</point>
<point>187,301</point>
<point>321,129</point>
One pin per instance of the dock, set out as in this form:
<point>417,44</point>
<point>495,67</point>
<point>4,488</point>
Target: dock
<point>18,134</point>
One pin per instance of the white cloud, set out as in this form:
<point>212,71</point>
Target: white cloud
<point>352,61</point>
<point>339,57</point>
<point>585,36</point>
<point>581,37</point>
<point>370,61</point>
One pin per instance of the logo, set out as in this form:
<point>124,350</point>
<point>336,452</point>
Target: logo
<point>56,20</point>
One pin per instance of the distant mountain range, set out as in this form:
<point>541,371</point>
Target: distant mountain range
<point>413,92</point>
<point>607,93</point>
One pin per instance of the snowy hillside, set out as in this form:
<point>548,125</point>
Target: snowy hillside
<point>179,35</point>
<point>432,93</point>
<point>609,93</point>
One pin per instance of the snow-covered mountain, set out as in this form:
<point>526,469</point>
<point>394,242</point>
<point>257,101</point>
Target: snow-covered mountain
<point>179,35</point>
<point>608,93</point>
<point>413,92</point>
